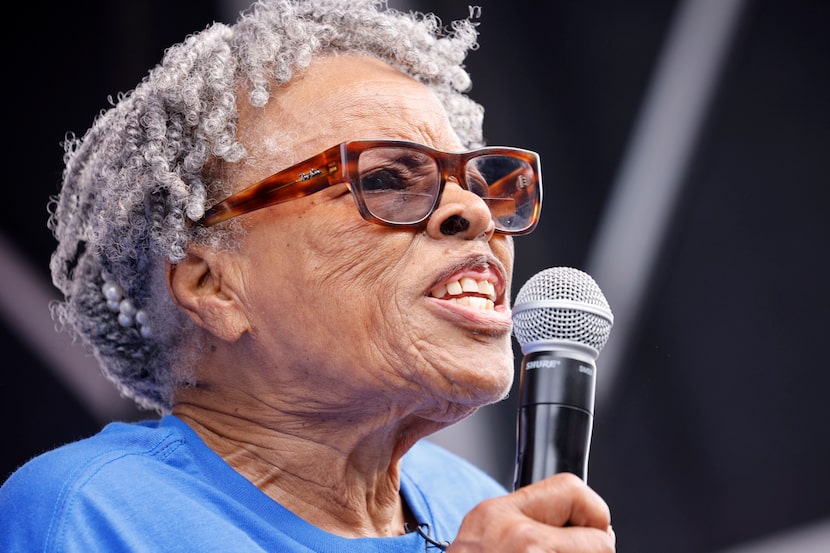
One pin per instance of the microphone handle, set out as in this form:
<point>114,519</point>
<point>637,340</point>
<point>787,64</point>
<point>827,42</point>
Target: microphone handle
<point>555,418</point>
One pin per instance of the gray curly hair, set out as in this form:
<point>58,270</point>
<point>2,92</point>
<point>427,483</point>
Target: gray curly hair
<point>145,170</point>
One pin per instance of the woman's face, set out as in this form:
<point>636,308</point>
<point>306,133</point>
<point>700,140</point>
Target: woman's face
<point>343,312</point>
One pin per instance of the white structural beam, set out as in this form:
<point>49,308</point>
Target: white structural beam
<point>642,200</point>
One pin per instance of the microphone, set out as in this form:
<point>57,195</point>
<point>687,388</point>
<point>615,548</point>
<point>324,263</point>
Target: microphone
<point>562,320</point>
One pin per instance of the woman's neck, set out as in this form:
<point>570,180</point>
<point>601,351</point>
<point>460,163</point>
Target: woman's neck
<point>339,474</point>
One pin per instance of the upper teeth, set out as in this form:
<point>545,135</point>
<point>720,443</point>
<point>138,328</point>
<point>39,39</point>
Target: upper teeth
<point>468,285</point>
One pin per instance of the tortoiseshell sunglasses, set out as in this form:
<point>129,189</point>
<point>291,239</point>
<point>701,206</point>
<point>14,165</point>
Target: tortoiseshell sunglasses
<point>399,184</point>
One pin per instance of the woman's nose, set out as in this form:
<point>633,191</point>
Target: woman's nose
<point>460,213</point>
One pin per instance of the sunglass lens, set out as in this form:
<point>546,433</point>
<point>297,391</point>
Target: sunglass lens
<point>512,190</point>
<point>399,185</point>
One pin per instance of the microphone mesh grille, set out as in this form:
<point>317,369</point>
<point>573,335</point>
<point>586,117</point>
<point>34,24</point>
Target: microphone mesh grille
<point>577,322</point>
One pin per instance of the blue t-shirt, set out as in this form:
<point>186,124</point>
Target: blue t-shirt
<point>155,486</point>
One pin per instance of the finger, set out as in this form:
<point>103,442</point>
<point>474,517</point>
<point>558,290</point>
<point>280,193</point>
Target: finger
<point>563,499</point>
<point>525,535</point>
<point>579,539</point>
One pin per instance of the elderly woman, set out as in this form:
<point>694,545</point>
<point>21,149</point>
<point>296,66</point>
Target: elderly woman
<point>289,241</point>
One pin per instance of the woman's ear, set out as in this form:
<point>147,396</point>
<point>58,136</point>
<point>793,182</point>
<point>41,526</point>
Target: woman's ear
<point>199,285</point>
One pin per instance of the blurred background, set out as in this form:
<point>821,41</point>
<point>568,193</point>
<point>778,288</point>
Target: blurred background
<point>685,150</point>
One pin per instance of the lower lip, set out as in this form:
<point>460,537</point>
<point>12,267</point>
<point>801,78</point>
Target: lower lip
<point>492,320</point>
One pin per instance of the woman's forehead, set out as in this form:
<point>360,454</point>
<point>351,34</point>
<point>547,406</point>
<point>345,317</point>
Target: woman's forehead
<point>341,98</point>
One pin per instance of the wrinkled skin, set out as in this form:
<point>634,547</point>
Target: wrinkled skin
<point>327,357</point>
